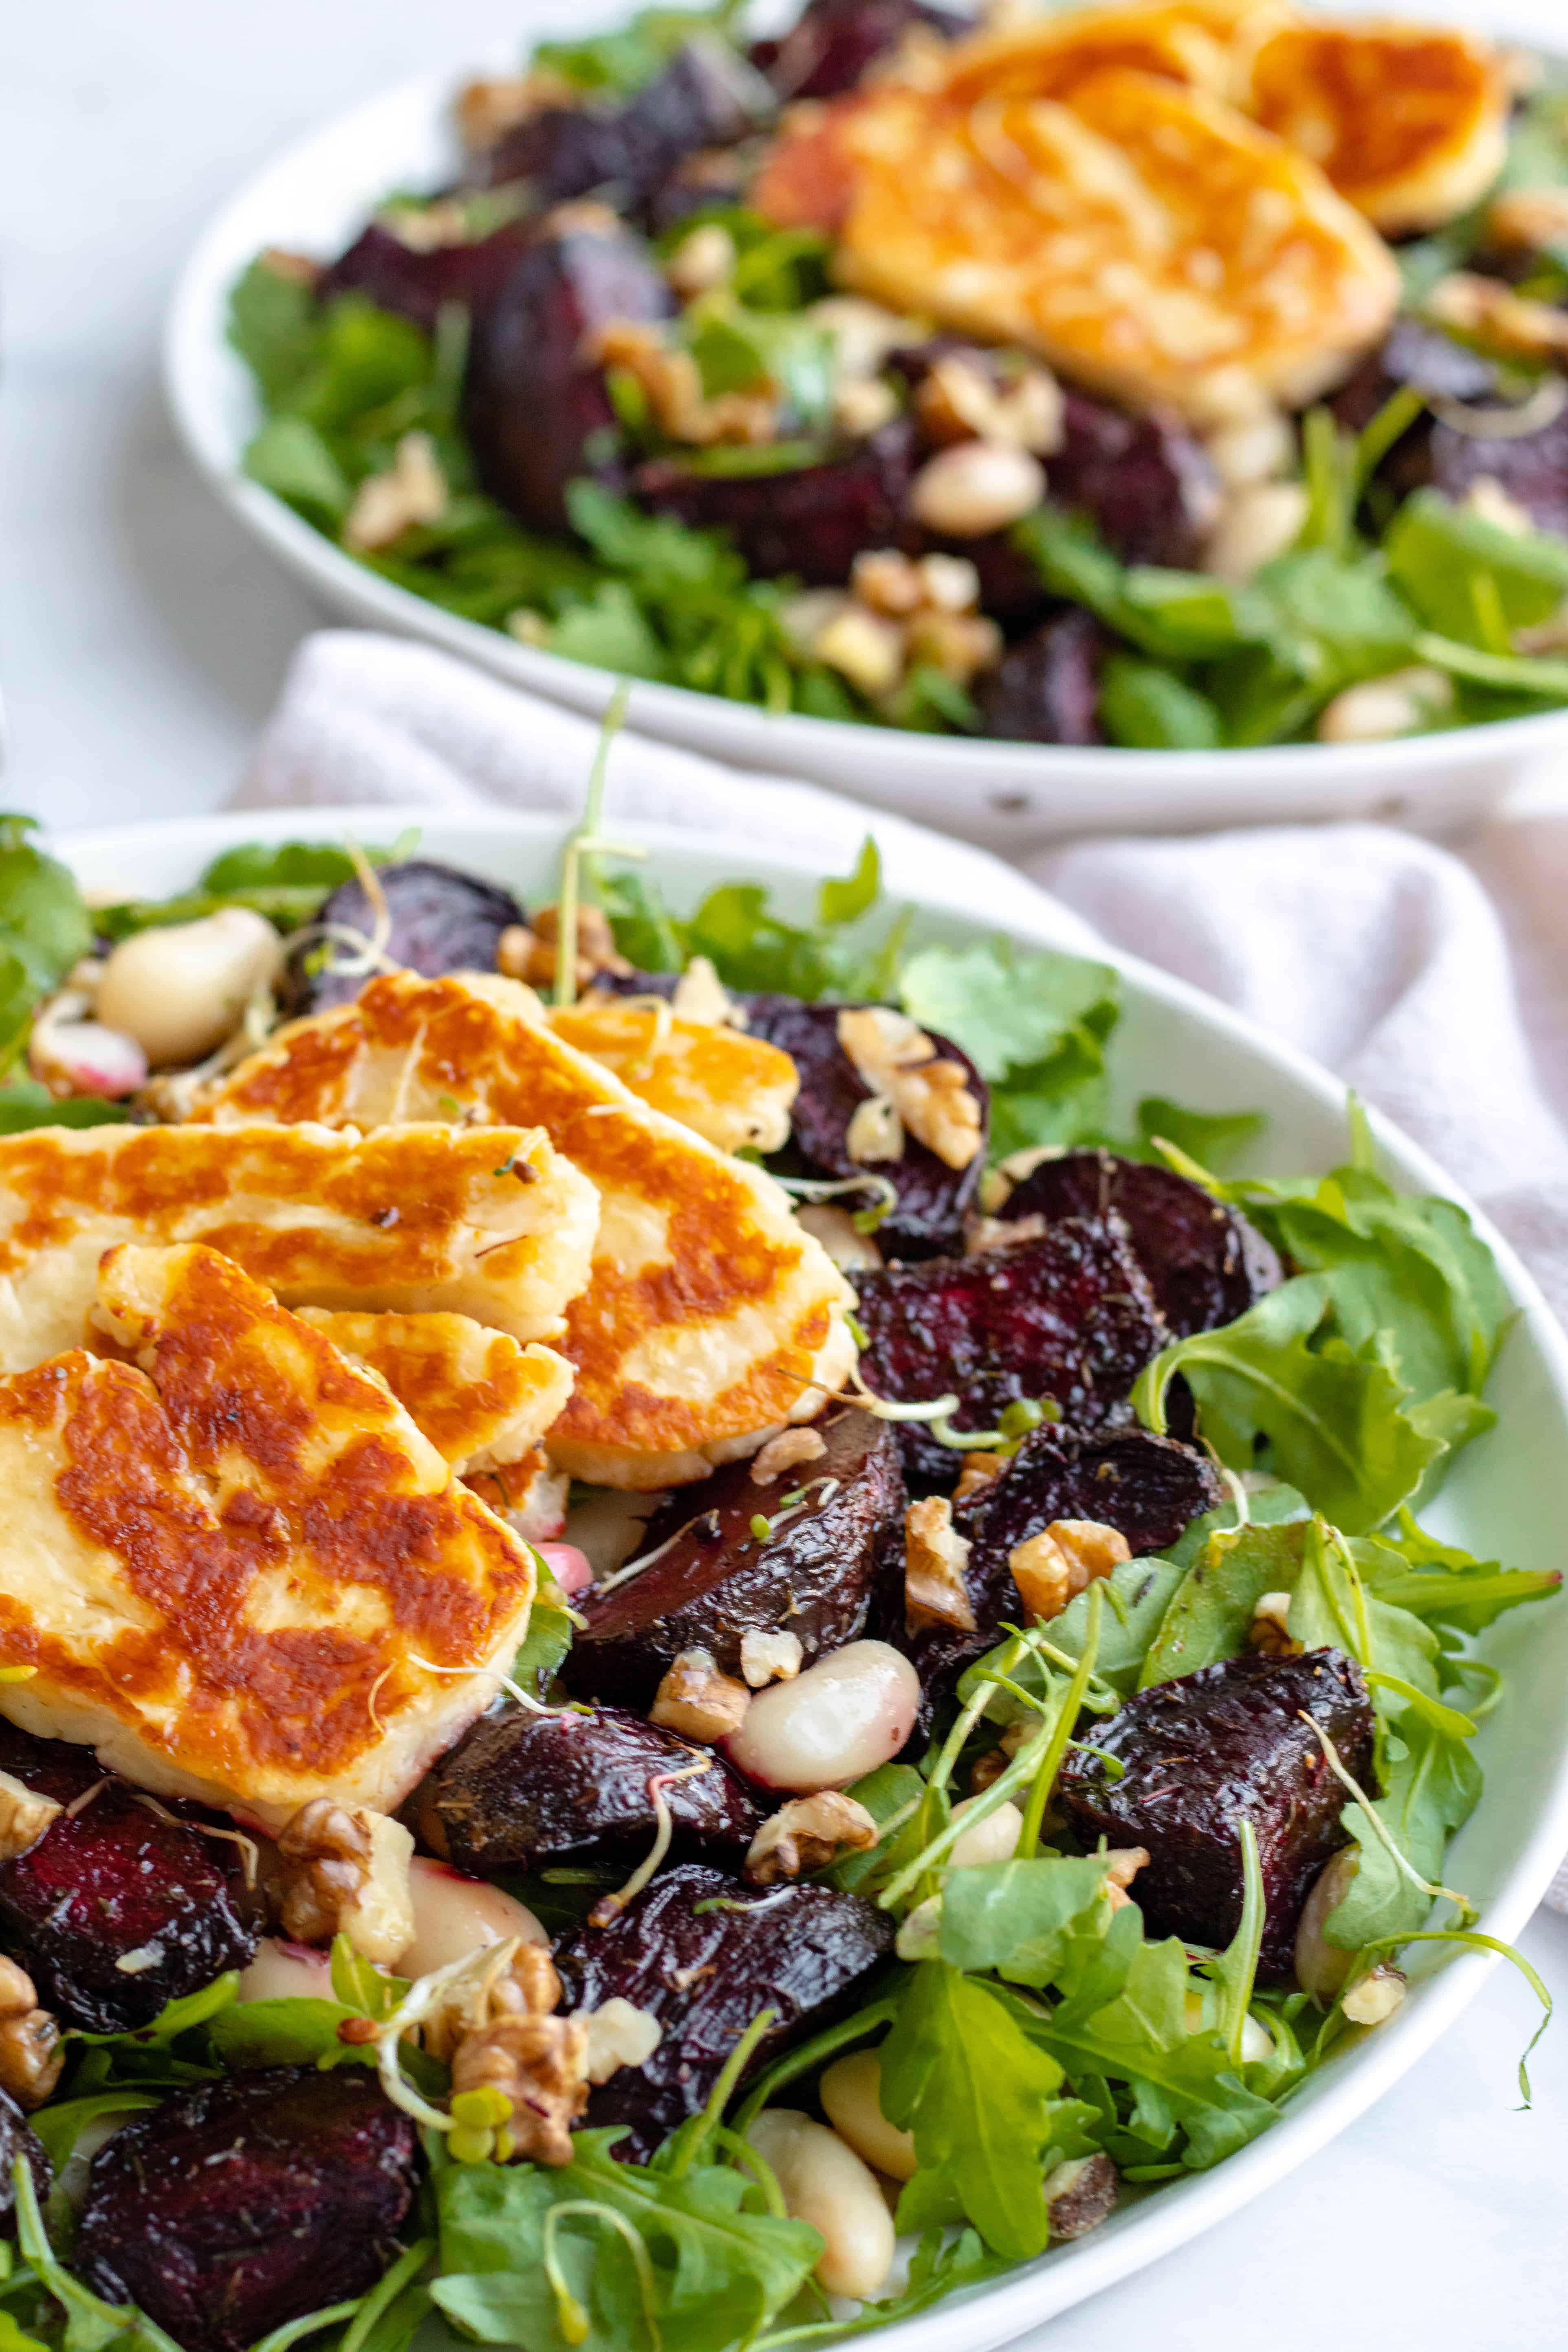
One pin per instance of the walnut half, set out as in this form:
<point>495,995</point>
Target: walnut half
<point>31,2057</point>
<point>346,1873</point>
<point>1052,1568</point>
<point>25,1815</point>
<point>806,1833</point>
<point>696,1700</point>
<point>935,1557</point>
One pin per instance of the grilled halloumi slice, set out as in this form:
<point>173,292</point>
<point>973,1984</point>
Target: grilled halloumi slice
<point>236,1567</point>
<point>476,1394</point>
<point>734,1089</point>
<point>709,1316</point>
<point>1409,121</point>
<point>1145,238</point>
<point>1207,43</point>
<point>496,1226</point>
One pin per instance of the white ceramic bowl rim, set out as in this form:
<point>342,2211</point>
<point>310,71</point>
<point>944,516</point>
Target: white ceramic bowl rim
<point>124,859</point>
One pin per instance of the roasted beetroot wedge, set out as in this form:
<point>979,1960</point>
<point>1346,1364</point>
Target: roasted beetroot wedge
<point>525,1789</point>
<point>1046,688</point>
<point>1069,1316</point>
<point>1143,481</point>
<point>396,277</point>
<point>535,405</point>
<point>242,2204</point>
<point>932,1197</point>
<point>1149,1488</point>
<point>123,1880</point>
<point>1206,1264</point>
<point>1203,1754</point>
<point>705,1953</point>
<point>832,42</point>
<point>812,522</point>
<point>717,1579</point>
<point>441,922</point>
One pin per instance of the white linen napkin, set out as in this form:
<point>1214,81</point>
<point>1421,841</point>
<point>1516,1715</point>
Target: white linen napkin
<point>1434,981</point>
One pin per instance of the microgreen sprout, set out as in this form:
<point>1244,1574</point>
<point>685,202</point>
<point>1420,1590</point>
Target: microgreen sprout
<point>605,1908</point>
<point>762,1527</point>
<point>570,2314</point>
<point>1402,1862</point>
<point>582,844</point>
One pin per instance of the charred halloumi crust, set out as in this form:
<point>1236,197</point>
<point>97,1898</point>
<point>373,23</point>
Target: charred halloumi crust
<point>734,1089</point>
<point>419,1217</point>
<point>476,1394</point>
<point>234,1565</point>
<point>709,1316</point>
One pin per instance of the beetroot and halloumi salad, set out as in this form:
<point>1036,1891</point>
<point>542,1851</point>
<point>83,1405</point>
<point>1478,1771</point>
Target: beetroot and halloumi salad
<point>529,1838</point>
<point>1161,374</point>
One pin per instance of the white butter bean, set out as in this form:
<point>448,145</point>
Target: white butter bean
<point>851,2091</point>
<point>843,1716</point>
<point>1322,1967</point>
<point>823,2183</point>
<point>454,1914</point>
<point>285,1972</point>
<point>976,486</point>
<point>181,991</point>
<point>995,1839</point>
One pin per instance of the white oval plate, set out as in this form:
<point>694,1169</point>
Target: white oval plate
<point>318,195</point>
<point>1507,1497</point>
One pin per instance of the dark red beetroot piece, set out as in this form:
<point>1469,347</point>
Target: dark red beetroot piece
<point>241,2204</point>
<point>117,1881</point>
<point>832,42</point>
<point>1206,1752</point>
<point>1206,1264</point>
<point>706,97</point>
<point>18,2137</point>
<point>812,522</point>
<point>1070,1317</point>
<point>719,1581</point>
<point>803,1951</point>
<point>1147,485</point>
<point>1046,689</point>
<point>1149,1488</point>
<point>535,406</point>
<point>441,922</point>
<point>932,1197</point>
<point>393,277</point>
<point>525,1789</point>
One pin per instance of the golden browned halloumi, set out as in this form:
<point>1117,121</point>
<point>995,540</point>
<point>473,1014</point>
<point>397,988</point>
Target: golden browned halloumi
<point>1145,238</point>
<point>709,1316</point>
<point>530,1494</point>
<point>476,1394</point>
<point>415,1218</point>
<point>734,1089</point>
<point>237,1567</point>
<point>1207,43</point>
<point>1409,121</point>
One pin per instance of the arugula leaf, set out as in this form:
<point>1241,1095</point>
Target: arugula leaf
<point>622,60</point>
<point>1444,1584</point>
<point>1214,1137</point>
<point>1148,708</point>
<point>43,922</point>
<point>1211,1612</point>
<point>296,2029</point>
<point>549,1635</point>
<point>1431,1783</point>
<point>1437,550</point>
<point>1036,1024</point>
<point>286,881</point>
<point>1021,1918</point>
<point>25,1104</point>
<point>275,326</point>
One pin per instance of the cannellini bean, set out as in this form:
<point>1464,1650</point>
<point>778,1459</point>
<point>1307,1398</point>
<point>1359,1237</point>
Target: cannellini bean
<point>1256,2041</point>
<point>1403,703</point>
<point>181,991</point>
<point>976,486</point>
<point>843,1716</point>
<point>568,1566</point>
<point>1255,525</point>
<point>834,1229</point>
<point>995,1839</point>
<point>285,1972</point>
<point>851,2091</point>
<point>1320,1967</point>
<point>454,1915</point>
<point>823,2182</point>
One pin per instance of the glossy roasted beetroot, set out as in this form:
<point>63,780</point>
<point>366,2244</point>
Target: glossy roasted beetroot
<point>1149,1488</point>
<point>124,1879</point>
<point>526,1790</point>
<point>18,2137</point>
<point>1203,1754</point>
<point>803,1951</point>
<point>1206,1264</point>
<point>1146,484</point>
<point>706,97</point>
<point>932,1197</point>
<point>718,1581</point>
<point>441,922</point>
<point>1069,1316</point>
<point>239,2205</point>
<point>535,406</point>
<point>1046,688</point>
<point>394,276</point>
<point>832,42</point>
<point>812,522</point>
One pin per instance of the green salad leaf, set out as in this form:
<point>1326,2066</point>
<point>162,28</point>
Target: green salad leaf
<point>618,62</point>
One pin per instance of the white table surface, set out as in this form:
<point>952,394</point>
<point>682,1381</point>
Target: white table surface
<point>143,638</point>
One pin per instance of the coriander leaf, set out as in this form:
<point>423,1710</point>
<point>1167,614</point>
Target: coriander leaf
<point>981,2102</point>
<point>43,922</point>
<point>1210,1615</point>
<point>1020,1917</point>
<point>1009,1008</point>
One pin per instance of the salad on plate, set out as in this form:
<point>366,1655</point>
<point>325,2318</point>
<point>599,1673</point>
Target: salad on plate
<point>1168,374</point>
<point>685,1660</point>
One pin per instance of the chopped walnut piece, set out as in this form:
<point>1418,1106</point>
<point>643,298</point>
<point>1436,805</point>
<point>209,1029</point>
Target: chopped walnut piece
<point>1527,220</point>
<point>1492,315</point>
<point>540,2067</point>
<point>701,995</point>
<point>978,1471</point>
<point>959,645</point>
<point>696,1700</point>
<point>806,1833</point>
<point>1050,1568</point>
<point>875,1132</point>
<point>897,1060</point>
<point>935,1557</point>
<point>31,2057</point>
<point>413,490</point>
<point>671,383</point>
<point>784,1452</point>
<point>1122,1865</point>
<point>1374,2000</point>
<point>1079,2194</point>
<point>530,955</point>
<point>1000,1232</point>
<point>957,401</point>
<point>1271,1628</point>
<point>298,268</point>
<point>25,1815</point>
<point>346,1873</point>
<point>526,1986</point>
<point>486,110</point>
<point>770,1658</point>
<point>620,2034</point>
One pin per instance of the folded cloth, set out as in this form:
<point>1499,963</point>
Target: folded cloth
<point>1434,981</point>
